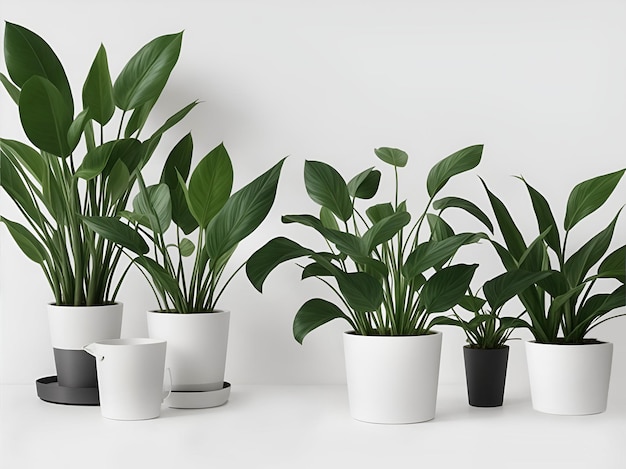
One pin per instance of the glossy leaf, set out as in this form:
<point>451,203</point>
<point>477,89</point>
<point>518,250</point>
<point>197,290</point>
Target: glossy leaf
<point>377,212</point>
<point>545,218</point>
<point>469,207</point>
<point>243,213</point>
<point>312,315</point>
<point>117,182</point>
<point>459,162</point>
<point>210,185</point>
<point>186,247</point>
<point>139,117</point>
<point>153,204</point>
<point>12,90</point>
<point>98,89</point>
<point>95,161</point>
<point>590,195</point>
<point>326,187</point>
<point>362,291</point>
<point>144,76</point>
<point>315,269</point>
<point>328,219</point>
<point>472,303</point>
<point>392,156</point>
<point>385,229</point>
<point>28,158</point>
<point>28,55</point>
<point>502,288</point>
<point>447,287</point>
<point>614,265</point>
<point>173,120</point>
<point>117,232</point>
<point>439,229</point>
<point>161,278</point>
<point>26,241</point>
<point>12,183</point>
<point>601,304</point>
<point>365,184</point>
<point>45,117</point>
<point>76,129</point>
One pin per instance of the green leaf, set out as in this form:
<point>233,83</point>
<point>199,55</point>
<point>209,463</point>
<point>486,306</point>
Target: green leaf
<point>577,266</point>
<point>315,269</point>
<point>365,184</point>
<point>502,288</point>
<point>588,196</point>
<point>45,117</point>
<point>392,156</point>
<point>469,207</point>
<point>210,185</point>
<point>447,288</point>
<point>175,119</point>
<point>507,323</point>
<point>161,278</point>
<point>471,303</point>
<point>439,229</point>
<point>153,204</point>
<point>13,184</point>
<point>362,291</point>
<point>447,321</point>
<point>385,229</point>
<point>614,265</point>
<point>98,89</point>
<point>14,91</point>
<point>144,76</point>
<point>28,55</point>
<point>512,236</point>
<point>506,257</point>
<point>243,213</point>
<point>326,187</point>
<point>545,219</point>
<point>459,162</point>
<point>312,315</point>
<point>432,253</point>
<point>139,117</point>
<point>117,232</point>
<point>267,258</point>
<point>328,219</point>
<point>95,161</point>
<point>186,247</point>
<point>76,129</point>
<point>29,159</point>
<point>117,182</point>
<point>597,306</point>
<point>30,246</point>
<point>377,212</point>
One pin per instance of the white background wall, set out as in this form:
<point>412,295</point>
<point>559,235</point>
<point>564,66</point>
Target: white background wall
<point>540,83</point>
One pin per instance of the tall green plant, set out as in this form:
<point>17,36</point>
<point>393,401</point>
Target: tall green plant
<point>57,181</point>
<point>563,307</point>
<point>206,207</point>
<point>387,281</point>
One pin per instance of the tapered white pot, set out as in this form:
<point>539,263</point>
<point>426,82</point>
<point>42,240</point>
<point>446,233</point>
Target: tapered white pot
<point>569,379</point>
<point>196,347</point>
<point>392,379</point>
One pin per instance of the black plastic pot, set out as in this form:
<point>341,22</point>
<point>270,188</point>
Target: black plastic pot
<point>485,373</point>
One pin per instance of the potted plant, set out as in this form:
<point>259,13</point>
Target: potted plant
<point>486,355</point>
<point>569,371</point>
<point>166,213</point>
<point>389,284</point>
<point>55,181</point>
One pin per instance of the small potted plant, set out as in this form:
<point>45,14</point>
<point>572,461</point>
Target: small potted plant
<point>569,371</point>
<point>486,355</point>
<point>389,284</point>
<point>55,180</point>
<point>166,213</point>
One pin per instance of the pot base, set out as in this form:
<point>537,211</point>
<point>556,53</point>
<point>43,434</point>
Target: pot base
<point>49,390</point>
<point>198,399</point>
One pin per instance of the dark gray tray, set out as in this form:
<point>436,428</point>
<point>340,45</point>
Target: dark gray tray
<point>48,390</point>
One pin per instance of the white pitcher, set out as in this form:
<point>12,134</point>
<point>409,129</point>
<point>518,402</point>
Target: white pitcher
<point>130,377</point>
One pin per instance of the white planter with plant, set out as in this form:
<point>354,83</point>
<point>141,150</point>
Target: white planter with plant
<point>187,317</point>
<point>388,282</point>
<point>569,373</point>
<point>79,165</point>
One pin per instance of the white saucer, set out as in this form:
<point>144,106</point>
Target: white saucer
<point>198,399</point>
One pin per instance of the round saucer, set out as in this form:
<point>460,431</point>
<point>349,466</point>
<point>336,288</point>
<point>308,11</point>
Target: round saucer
<point>48,390</point>
<point>198,399</point>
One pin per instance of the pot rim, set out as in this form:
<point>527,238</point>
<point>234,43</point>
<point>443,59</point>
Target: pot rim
<point>114,303</point>
<point>595,342</point>
<point>469,347</point>
<point>354,334</point>
<point>176,313</point>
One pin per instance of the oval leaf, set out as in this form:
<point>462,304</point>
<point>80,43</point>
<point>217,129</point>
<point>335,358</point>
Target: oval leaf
<point>327,188</point>
<point>312,315</point>
<point>153,205</point>
<point>458,162</point>
<point>30,246</point>
<point>502,288</point>
<point>117,232</point>
<point>98,89</point>
<point>392,156</point>
<point>362,291</point>
<point>365,184</point>
<point>186,247</point>
<point>446,288</point>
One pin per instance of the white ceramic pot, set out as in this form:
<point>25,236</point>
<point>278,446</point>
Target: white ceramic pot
<point>130,377</point>
<point>569,379</point>
<point>392,379</point>
<point>196,347</point>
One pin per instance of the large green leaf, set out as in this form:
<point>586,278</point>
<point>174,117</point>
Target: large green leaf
<point>385,229</point>
<point>502,288</point>
<point>447,288</point>
<point>139,117</point>
<point>243,213</point>
<point>179,162</point>
<point>469,207</point>
<point>162,279</point>
<point>432,253</point>
<point>144,76</point>
<point>30,246</point>
<point>365,184</point>
<point>28,55</point>
<point>312,315</point>
<point>545,218</point>
<point>328,219</point>
<point>439,229</point>
<point>361,290</point>
<point>590,195</point>
<point>315,269</point>
<point>13,90</point>
<point>175,119</point>
<point>458,162</point>
<point>577,266</point>
<point>117,232</point>
<point>392,156</point>
<point>45,117</point>
<point>210,185</point>
<point>13,184</point>
<point>377,212</point>
<point>95,161</point>
<point>27,157</point>
<point>98,89</point>
<point>471,303</point>
<point>76,129</point>
<point>598,305</point>
<point>153,204</point>
<point>117,182</point>
<point>614,265</point>
<point>326,187</point>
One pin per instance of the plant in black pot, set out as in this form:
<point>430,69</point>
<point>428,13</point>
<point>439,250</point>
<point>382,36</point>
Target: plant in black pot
<point>78,164</point>
<point>487,331</point>
<point>569,371</point>
<point>389,283</point>
<point>164,216</point>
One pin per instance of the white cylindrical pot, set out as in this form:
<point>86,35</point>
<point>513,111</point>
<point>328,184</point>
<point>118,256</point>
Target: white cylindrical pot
<point>392,379</point>
<point>196,347</point>
<point>569,379</point>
